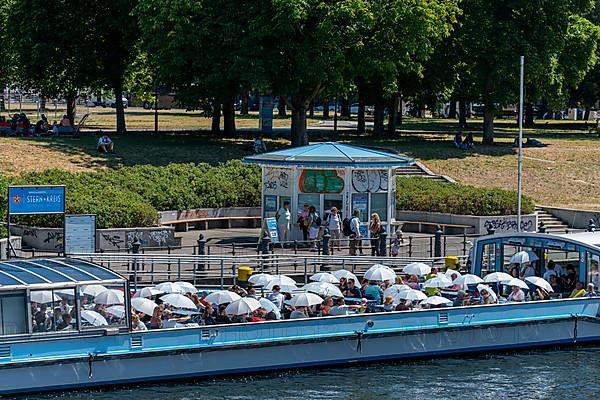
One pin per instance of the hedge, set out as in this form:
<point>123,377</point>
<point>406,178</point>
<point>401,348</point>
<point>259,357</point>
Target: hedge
<point>131,196</point>
<point>422,194</point>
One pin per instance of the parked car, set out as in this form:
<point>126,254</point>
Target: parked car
<point>112,102</point>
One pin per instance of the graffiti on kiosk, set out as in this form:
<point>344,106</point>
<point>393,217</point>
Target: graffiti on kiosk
<point>369,180</point>
<point>276,179</point>
<point>507,225</point>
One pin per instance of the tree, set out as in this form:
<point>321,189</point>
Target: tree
<point>397,39</point>
<point>202,49</point>
<point>301,48</point>
<point>117,35</point>
<point>54,62</point>
<point>492,35</point>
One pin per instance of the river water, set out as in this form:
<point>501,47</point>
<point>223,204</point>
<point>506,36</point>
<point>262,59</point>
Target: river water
<point>541,374</point>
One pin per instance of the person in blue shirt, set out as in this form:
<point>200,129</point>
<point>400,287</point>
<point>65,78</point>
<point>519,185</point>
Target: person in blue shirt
<point>105,144</point>
<point>373,292</point>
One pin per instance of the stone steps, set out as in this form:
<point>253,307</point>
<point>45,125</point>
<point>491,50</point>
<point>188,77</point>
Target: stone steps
<point>551,223</point>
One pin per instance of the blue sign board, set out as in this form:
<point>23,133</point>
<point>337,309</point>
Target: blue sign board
<point>272,228</point>
<point>36,200</point>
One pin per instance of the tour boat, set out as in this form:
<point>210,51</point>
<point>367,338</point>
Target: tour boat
<point>88,352</point>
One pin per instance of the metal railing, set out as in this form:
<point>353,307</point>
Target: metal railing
<point>221,271</point>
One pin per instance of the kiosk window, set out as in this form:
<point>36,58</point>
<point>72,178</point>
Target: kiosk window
<point>379,205</point>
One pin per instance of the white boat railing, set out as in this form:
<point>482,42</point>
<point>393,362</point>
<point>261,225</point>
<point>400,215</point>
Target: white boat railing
<point>219,271</point>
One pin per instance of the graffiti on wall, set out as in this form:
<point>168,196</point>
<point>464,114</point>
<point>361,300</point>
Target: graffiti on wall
<point>277,180</point>
<point>509,224</point>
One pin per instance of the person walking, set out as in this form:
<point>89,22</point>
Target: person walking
<point>303,222</point>
<point>314,223</point>
<point>374,231</point>
<point>355,239</point>
<point>335,227</point>
<point>283,217</point>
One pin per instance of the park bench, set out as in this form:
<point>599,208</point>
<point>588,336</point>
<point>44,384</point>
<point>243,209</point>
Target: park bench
<point>183,225</point>
<point>432,226</point>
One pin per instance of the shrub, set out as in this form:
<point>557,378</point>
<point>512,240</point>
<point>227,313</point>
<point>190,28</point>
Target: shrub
<point>422,194</point>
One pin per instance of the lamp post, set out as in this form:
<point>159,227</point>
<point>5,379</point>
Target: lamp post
<point>520,157</point>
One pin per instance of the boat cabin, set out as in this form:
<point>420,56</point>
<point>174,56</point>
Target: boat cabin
<point>53,297</point>
<point>576,253</point>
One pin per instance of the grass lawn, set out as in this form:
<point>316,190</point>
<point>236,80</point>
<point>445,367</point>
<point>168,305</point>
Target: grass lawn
<point>563,174</point>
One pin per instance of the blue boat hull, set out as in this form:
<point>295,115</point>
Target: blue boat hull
<point>234,349</point>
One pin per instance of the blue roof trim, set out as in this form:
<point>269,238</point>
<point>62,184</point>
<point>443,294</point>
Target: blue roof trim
<point>331,154</point>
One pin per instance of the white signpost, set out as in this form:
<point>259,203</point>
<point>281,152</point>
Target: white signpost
<point>80,234</point>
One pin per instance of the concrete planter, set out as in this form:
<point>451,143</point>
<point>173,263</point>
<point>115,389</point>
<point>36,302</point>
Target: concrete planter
<point>117,239</point>
<point>478,224</point>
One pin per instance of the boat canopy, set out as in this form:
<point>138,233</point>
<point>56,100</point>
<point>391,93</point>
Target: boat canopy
<point>578,251</point>
<point>46,272</point>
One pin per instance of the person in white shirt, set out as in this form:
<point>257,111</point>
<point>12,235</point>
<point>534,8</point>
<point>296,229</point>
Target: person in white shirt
<point>550,270</point>
<point>284,218</point>
<point>299,313</point>
<point>335,227</point>
<point>516,294</point>
<point>528,271</point>
<point>355,239</point>
<point>276,297</point>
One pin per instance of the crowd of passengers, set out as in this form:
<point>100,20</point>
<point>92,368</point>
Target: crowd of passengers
<point>368,296</point>
<point>359,297</point>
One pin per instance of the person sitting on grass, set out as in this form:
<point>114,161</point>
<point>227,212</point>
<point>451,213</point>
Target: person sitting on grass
<point>105,144</point>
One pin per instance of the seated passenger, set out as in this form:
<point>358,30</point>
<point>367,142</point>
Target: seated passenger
<point>326,306</point>
<point>516,294</point>
<point>486,298</point>
<point>300,312</point>
<point>276,297</point>
<point>137,324</point>
<point>373,292</point>
<point>541,294</point>
<point>207,316</point>
<point>156,320</point>
<point>462,299</point>
<point>591,290</point>
<point>341,308</point>
<point>579,291</point>
<point>528,271</point>
<point>569,279</point>
<point>352,290</point>
<point>549,271</point>
<point>402,306</point>
<point>388,304</point>
<point>222,317</point>
<point>555,283</point>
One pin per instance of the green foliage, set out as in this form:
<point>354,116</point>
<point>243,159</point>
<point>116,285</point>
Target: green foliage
<point>131,196</point>
<point>421,194</point>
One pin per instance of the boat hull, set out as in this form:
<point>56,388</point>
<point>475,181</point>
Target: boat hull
<point>293,344</point>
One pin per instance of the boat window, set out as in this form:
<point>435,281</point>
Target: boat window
<point>100,308</point>
<point>53,310</point>
<point>488,260</point>
<point>593,262</point>
<point>13,314</point>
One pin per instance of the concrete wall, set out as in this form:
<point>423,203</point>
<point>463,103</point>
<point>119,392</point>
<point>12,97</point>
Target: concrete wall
<point>480,224</point>
<point>16,245</point>
<point>51,239</point>
<point>577,219</point>
<point>165,216</point>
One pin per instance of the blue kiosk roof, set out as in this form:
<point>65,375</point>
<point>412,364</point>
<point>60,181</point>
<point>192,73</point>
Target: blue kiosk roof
<point>46,271</point>
<point>331,154</point>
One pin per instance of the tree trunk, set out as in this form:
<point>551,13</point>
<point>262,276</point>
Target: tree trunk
<point>529,122</point>
<point>281,107</point>
<point>586,114</point>
<point>392,112</point>
<point>400,115</point>
<point>345,111</point>
<point>488,124</point>
<point>378,120</point>
<point>42,104</point>
<point>361,126</point>
<point>244,105</point>
<point>71,108</point>
<point>228,118</point>
<point>121,127</point>
<point>216,118</point>
<point>326,110</point>
<point>311,109</point>
<point>462,114</point>
<point>298,129</point>
<point>452,109</point>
